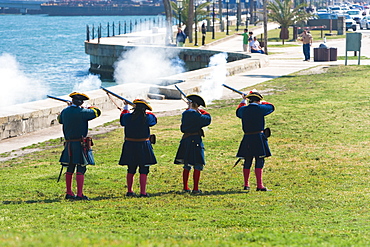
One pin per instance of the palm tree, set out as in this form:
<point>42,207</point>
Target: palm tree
<point>168,12</point>
<point>283,13</point>
<point>201,14</point>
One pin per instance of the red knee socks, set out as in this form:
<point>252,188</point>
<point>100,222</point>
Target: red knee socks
<point>143,180</point>
<point>246,173</point>
<point>196,177</point>
<point>80,183</point>
<point>69,177</point>
<point>130,181</point>
<point>185,178</point>
<point>258,172</point>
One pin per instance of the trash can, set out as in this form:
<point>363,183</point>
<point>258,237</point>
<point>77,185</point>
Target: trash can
<point>333,54</point>
<point>321,54</point>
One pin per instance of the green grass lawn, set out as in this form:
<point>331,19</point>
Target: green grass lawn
<point>319,174</point>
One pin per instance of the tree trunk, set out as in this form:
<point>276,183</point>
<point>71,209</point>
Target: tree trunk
<point>284,33</point>
<point>168,12</point>
<point>190,22</point>
<point>265,25</point>
<point>220,15</point>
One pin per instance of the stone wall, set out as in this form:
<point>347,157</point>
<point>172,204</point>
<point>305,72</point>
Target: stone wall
<point>103,56</point>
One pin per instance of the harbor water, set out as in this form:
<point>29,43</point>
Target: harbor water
<point>42,55</point>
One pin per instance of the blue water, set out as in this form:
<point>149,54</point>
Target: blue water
<point>49,50</point>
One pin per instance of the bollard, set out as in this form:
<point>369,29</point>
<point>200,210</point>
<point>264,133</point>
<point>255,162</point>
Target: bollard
<point>87,33</point>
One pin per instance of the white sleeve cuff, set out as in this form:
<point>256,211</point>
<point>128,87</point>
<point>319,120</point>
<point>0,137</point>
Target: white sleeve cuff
<point>125,107</point>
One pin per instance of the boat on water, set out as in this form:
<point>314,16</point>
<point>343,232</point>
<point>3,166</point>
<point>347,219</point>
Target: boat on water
<point>99,8</point>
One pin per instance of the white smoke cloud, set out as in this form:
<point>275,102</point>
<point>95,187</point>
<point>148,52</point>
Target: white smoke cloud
<point>145,65</point>
<point>212,87</point>
<point>16,87</point>
<point>91,82</point>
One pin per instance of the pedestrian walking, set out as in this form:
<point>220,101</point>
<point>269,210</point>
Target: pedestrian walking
<point>204,32</point>
<point>254,143</point>
<point>180,37</point>
<point>137,150</point>
<point>191,149</point>
<point>77,153</point>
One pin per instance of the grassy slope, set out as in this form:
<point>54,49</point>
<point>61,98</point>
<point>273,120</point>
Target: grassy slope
<point>319,173</point>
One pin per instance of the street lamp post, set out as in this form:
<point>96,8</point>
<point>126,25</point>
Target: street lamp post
<point>196,23</point>
<point>179,7</point>
<point>237,14</point>
<point>213,19</point>
<point>247,19</point>
<point>227,17</point>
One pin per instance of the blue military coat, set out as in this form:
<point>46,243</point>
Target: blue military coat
<point>75,127</point>
<point>191,148</point>
<point>254,143</point>
<point>136,128</point>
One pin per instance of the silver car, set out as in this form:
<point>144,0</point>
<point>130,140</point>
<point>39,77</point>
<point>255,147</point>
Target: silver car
<point>365,22</point>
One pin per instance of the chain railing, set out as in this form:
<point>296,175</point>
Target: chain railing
<point>111,30</point>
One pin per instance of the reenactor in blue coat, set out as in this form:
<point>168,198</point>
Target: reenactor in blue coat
<point>137,150</point>
<point>191,149</point>
<point>77,151</point>
<point>254,144</point>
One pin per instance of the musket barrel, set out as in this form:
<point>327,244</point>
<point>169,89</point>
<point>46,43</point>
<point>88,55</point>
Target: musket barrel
<point>118,96</point>
<point>56,98</point>
<point>183,94</point>
<point>233,89</point>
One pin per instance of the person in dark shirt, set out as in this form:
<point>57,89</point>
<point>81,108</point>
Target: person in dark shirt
<point>204,33</point>
<point>137,150</point>
<point>254,143</point>
<point>180,37</point>
<point>191,148</point>
<point>77,150</point>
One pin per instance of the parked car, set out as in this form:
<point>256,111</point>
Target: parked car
<point>322,11</point>
<point>350,23</point>
<point>355,14</point>
<point>326,16</point>
<point>336,10</point>
<point>365,22</point>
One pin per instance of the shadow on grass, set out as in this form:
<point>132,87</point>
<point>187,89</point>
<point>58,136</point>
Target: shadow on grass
<point>204,193</point>
<point>32,201</point>
<point>158,194</point>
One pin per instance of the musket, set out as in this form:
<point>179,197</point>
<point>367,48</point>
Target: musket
<point>56,98</point>
<point>118,96</point>
<point>182,93</point>
<point>233,89</point>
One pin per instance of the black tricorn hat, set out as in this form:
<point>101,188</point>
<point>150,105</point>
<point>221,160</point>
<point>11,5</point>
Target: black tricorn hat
<point>197,99</point>
<point>79,96</point>
<point>254,93</point>
<point>142,103</point>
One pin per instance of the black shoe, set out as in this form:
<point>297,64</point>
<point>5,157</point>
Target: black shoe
<point>197,192</point>
<point>144,195</point>
<point>130,194</point>
<point>83,197</point>
<point>247,188</point>
<point>186,191</point>
<point>263,189</point>
<point>70,197</point>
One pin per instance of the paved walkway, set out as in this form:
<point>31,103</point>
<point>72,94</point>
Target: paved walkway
<point>283,61</point>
